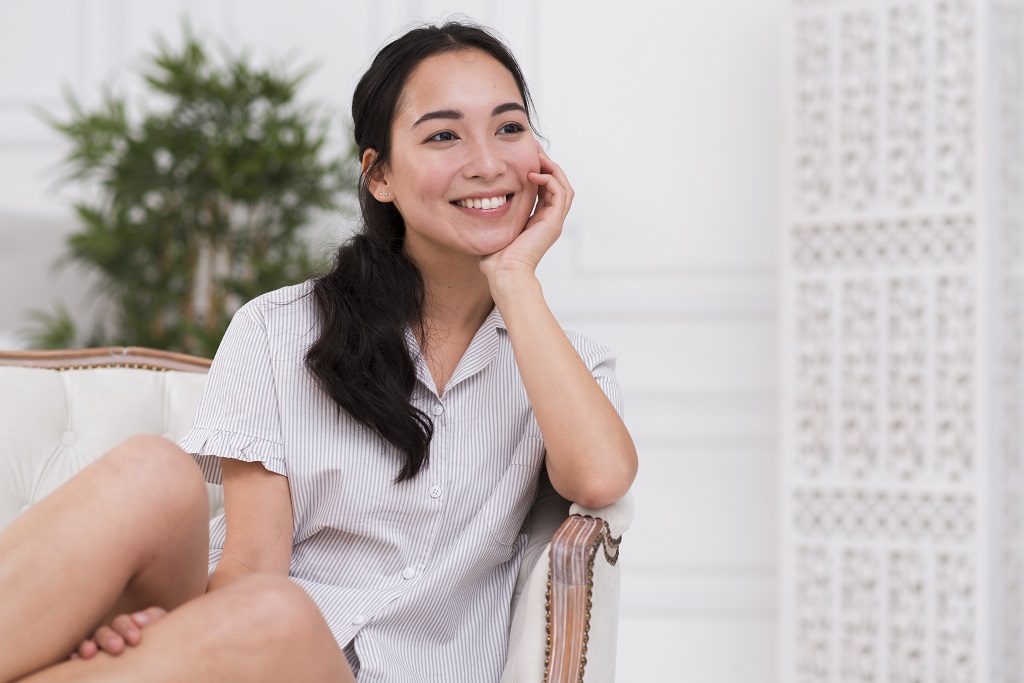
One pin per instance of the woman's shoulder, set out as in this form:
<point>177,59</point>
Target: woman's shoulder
<point>287,302</point>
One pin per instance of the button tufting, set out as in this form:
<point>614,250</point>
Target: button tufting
<point>67,438</point>
<point>437,409</point>
<point>408,573</point>
<point>25,507</point>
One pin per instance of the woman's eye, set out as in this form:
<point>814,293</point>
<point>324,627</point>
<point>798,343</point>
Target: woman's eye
<point>443,136</point>
<point>510,128</point>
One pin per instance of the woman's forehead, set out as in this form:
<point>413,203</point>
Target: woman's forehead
<point>465,81</point>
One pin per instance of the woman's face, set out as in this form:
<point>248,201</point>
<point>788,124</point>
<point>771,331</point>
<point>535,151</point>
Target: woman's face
<point>461,148</point>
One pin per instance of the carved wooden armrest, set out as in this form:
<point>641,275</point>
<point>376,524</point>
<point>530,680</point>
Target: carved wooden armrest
<point>581,541</point>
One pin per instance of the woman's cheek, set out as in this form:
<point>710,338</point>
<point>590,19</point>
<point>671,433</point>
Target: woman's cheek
<point>527,159</point>
<point>528,205</point>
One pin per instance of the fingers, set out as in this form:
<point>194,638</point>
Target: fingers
<point>125,630</point>
<point>552,199</point>
<point>554,190</point>
<point>109,640</point>
<point>105,639</point>
<point>549,167</point>
<point>126,627</point>
<point>148,616</point>
<point>86,649</point>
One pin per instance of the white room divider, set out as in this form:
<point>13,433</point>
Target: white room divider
<point>903,319</point>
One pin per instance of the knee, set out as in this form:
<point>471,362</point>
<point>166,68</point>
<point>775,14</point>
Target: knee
<point>272,611</point>
<point>158,470</point>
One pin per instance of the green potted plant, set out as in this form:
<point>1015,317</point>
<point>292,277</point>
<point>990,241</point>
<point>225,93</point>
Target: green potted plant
<point>202,205</point>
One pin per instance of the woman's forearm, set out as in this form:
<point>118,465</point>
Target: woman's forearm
<point>258,514</point>
<point>591,458</point>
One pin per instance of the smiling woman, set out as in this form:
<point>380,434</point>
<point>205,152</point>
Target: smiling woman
<point>380,432</point>
<point>459,176</point>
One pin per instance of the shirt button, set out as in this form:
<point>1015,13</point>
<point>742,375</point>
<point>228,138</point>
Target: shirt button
<point>437,409</point>
<point>408,573</point>
<point>358,619</point>
<point>67,438</point>
<point>435,491</point>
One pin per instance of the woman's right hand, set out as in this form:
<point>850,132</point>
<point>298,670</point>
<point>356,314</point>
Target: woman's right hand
<point>124,630</point>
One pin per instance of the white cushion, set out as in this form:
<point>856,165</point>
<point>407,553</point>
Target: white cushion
<point>54,423</point>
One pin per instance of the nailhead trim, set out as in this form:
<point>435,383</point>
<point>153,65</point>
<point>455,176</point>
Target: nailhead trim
<point>610,546</point>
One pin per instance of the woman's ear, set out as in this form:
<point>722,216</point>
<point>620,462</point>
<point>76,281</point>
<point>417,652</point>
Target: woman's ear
<point>377,183</point>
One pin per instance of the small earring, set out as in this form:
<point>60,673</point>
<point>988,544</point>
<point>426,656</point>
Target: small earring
<point>383,194</point>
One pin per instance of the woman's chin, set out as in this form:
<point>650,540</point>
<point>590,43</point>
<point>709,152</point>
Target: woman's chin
<point>497,242</point>
<point>492,249</point>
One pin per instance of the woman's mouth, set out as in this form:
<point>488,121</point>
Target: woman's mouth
<point>483,202</point>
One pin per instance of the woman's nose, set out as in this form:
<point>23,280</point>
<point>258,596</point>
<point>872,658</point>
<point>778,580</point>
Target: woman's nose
<point>484,160</point>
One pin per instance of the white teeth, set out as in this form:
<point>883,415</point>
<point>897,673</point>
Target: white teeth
<point>484,203</point>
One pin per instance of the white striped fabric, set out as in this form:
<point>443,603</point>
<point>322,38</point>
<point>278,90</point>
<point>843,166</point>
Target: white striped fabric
<point>414,579</point>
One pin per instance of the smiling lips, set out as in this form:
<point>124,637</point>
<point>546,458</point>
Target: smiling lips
<point>483,202</point>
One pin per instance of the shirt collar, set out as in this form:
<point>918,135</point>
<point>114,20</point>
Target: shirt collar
<point>482,350</point>
<point>495,319</point>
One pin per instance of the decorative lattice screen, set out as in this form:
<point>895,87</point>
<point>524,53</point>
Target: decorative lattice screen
<point>903,316</point>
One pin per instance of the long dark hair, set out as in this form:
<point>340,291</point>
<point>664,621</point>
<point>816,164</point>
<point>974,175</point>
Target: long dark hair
<point>375,291</point>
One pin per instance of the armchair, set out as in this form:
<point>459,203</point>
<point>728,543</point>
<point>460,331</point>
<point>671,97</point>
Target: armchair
<point>59,410</point>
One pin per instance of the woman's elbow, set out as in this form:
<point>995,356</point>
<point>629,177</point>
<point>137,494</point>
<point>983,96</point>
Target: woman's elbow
<point>608,487</point>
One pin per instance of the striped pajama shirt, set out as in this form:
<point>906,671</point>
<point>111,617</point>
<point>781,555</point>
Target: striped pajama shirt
<point>414,579</point>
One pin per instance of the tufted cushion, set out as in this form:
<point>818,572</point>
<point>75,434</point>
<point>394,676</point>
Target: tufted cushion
<point>54,423</point>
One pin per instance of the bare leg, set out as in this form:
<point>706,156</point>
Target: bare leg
<point>259,629</point>
<point>128,532</point>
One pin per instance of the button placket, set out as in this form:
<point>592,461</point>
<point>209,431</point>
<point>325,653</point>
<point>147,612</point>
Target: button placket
<point>438,467</point>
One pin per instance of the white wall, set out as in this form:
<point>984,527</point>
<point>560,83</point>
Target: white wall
<point>665,116</point>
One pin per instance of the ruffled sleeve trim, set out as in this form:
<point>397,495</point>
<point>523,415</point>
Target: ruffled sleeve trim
<point>208,446</point>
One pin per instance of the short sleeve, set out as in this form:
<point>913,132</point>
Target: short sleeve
<point>238,415</point>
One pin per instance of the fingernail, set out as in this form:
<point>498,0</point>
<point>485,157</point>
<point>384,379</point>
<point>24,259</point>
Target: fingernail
<point>141,618</point>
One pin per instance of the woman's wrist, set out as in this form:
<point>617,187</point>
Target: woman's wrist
<point>510,286</point>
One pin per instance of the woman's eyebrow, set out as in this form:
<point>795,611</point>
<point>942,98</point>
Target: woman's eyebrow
<point>441,114</point>
<point>452,114</point>
<point>507,107</point>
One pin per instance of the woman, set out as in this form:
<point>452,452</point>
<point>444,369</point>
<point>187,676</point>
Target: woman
<point>379,432</point>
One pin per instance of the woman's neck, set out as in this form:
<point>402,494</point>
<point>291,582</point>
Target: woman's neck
<point>457,300</point>
<point>455,308</point>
